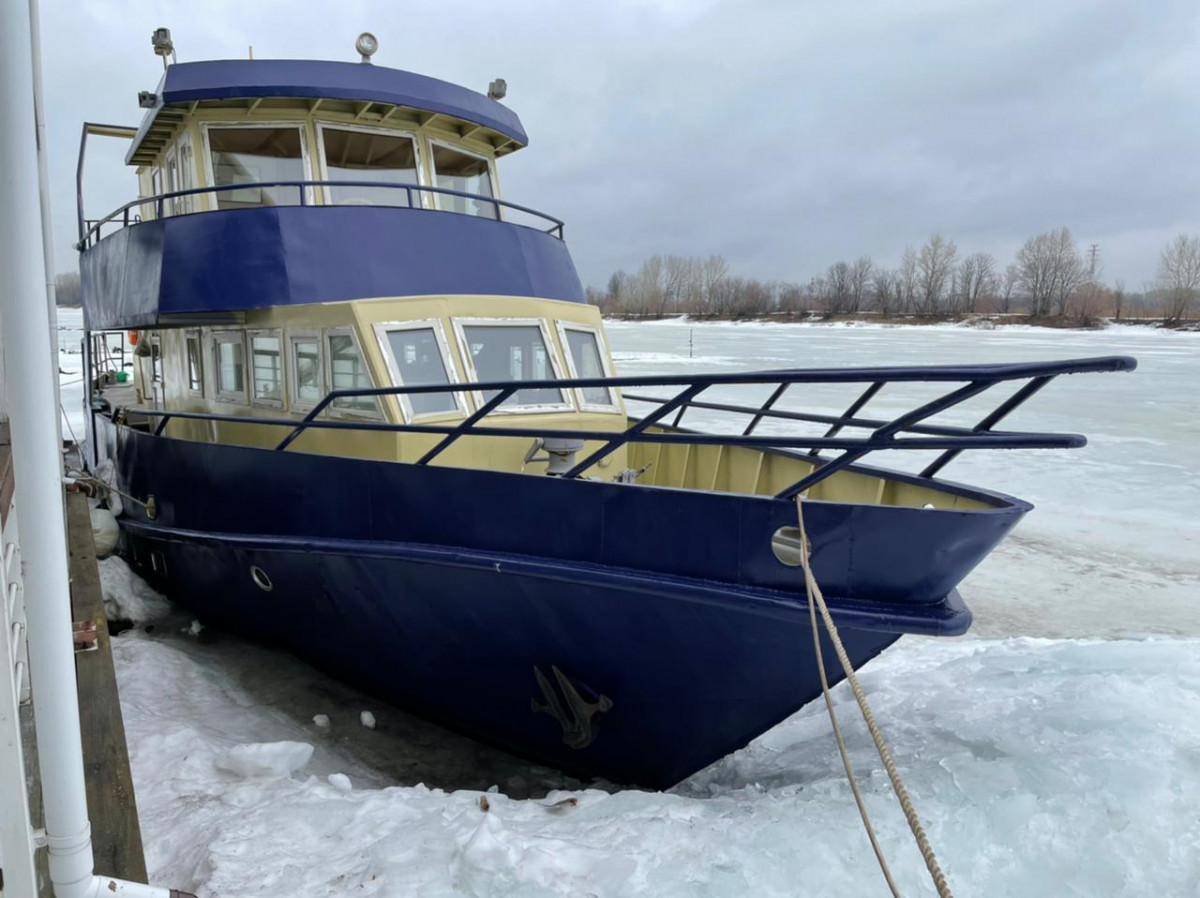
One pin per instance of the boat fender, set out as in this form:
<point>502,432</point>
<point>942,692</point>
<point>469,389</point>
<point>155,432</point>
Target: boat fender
<point>105,531</point>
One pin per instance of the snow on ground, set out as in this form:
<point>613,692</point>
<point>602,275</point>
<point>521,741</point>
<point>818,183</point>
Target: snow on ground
<point>1039,766</point>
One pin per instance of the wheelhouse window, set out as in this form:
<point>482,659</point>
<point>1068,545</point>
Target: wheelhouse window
<point>229,354</point>
<point>305,371</point>
<point>195,363</point>
<point>417,356</point>
<point>516,350</point>
<point>585,358</point>
<point>390,158</point>
<point>266,369</point>
<point>255,155</point>
<point>348,371</point>
<point>464,172</point>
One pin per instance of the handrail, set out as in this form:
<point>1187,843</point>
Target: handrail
<point>904,432</point>
<point>302,187</point>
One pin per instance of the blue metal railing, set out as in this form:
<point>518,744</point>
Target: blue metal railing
<point>90,230</point>
<point>904,432</point>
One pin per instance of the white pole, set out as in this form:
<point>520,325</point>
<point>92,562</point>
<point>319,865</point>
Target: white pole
<point>24,326</point>
<point>39,119</point>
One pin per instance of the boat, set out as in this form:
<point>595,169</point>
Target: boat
<point>373,420</point>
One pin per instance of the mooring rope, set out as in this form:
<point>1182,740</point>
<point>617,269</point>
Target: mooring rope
<point>815,599</point>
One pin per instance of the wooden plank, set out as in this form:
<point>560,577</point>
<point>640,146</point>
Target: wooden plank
<point>112,808</point>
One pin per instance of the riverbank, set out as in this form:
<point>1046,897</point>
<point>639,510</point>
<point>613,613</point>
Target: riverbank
<point>980,322</point>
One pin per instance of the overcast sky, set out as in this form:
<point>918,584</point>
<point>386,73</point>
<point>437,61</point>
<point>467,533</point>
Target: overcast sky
<point>784,135</point>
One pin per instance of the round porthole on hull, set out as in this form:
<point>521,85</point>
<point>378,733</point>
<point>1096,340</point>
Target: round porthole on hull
<point>785,543</point>
<point>260,578</point>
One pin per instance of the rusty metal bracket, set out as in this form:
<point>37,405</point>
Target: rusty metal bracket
<point>84,633</point>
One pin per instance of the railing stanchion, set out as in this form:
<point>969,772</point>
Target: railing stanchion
<point>467,425</point>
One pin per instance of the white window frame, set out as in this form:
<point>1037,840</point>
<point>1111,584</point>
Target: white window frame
<point>491,163</point>
<point>281,402</point>
<point>295,403</point>
<point>383,328</point>
<point>218,338</point>
<point>326,192</point>
<point>613,405</point>
<point>331,410</point>
<point>566,405</point>
<point>188,336</point>
<point>186,156</point>
<point>305,155</point>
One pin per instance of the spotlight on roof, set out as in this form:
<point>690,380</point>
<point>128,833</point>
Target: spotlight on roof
<point>366,45</point>
<point>497,89</point>
<point>163,46</point>
<point>147,99</point>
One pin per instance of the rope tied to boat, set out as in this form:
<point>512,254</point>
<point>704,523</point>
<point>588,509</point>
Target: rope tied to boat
<point>817,599</point>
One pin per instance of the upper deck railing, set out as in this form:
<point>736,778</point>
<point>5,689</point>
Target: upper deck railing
<point>90,231</point>
<point>903,432</point>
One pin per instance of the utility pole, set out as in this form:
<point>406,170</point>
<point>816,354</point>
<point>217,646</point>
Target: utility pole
<point>1093,258</point>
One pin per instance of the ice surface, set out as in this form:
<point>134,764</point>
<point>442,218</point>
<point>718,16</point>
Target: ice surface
<point>265,759</point>
<point>127,596</point>
<point>1039,766</point>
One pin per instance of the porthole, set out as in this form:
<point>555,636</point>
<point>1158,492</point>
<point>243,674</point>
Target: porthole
<point>785,543</point>
<point>260,578</point>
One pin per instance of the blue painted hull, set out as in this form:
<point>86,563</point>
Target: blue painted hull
<point>442,590</point>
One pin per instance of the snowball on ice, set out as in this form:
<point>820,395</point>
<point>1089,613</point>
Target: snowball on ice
<point>321,720</point>
<point>367,719</point>
<point>340,781</point>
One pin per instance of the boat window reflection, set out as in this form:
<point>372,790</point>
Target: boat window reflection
<point>348,371</point>
<point>195,369</point>
<point>513,352</point>
<point>231,366</point>
<point>456,170</point>
<point>368,156</point>
<point>253,155</point>
<point>586,361</point>
<point>306,371</point>
<point>266,367</point>
<point>419,362</point>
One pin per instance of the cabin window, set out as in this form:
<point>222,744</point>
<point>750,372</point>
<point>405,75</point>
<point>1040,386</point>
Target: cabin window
<point>266,369</point>
<point>348,371</point>
<point>229,355</point>
<point>254,155</point>
<point>512,350</point>
<point>305,371</point>
<point>416,353</point>
<point>465,172</point>
<point>585,358</point>
<point>361,155</point>
<point>195,365</point>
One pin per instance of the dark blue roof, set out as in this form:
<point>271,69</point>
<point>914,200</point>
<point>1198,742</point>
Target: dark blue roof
<point>251,78</point>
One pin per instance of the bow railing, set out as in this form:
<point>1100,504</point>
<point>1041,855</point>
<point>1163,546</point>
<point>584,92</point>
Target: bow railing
<point>909,431</point>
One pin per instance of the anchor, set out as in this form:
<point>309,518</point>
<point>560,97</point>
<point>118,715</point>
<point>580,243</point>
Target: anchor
<point>575,717</point>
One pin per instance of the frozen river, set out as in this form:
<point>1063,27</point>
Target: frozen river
<point>1113,545</point>
<point>1064,766</point>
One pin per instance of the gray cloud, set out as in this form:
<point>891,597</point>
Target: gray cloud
<point>783,135</point>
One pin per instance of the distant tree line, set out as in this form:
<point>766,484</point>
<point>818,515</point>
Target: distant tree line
<point>1049,278</point>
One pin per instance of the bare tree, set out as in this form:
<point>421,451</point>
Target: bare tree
<point>935,265</point>
<point>860,278</point>
<point>1008,287</point>
<point>977,281</point>
<point>837,288</point>
<point>1049,270</point>
<point>906,275</point>
<point>1179,276</point>
<point>885,292</point>
<point>711,272</point>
